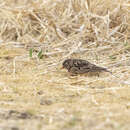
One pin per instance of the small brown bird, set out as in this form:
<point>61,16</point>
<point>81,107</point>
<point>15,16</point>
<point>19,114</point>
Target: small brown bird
<point>79,66</point>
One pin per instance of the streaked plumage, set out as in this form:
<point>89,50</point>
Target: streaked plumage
<point>79,66</point>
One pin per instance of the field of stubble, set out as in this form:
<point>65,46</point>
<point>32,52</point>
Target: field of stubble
<point>36,37</point>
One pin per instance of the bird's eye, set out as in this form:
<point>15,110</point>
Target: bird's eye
<point>65,63</point>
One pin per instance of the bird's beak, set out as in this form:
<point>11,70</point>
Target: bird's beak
<point>62,67</point>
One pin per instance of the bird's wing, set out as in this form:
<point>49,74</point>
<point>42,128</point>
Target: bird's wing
<point>83,66</point>
<point>80,63</point>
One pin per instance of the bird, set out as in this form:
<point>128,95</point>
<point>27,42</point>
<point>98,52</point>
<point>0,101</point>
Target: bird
<point>80,66</point>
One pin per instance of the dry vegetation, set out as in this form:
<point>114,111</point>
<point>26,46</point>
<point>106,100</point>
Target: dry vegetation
<point>36,94</point>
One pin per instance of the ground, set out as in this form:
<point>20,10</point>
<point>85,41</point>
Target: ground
<point>36,93</point>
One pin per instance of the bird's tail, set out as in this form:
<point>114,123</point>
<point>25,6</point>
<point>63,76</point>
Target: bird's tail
<point>104,69</point>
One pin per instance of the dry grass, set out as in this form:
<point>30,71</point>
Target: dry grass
<point>37,94</point>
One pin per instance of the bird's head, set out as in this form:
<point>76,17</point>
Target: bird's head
<point>67,64</point>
